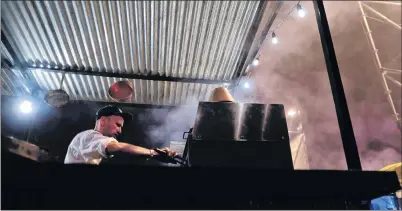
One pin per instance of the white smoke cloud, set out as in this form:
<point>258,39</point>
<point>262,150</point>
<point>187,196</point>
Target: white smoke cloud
<point>173,123</point>
<point>293,73</point>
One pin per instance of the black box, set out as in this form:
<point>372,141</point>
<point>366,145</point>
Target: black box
<point>229,134</point>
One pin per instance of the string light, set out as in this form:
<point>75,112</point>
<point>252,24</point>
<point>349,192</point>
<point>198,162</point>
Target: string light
<point>256,62</point>
<point>274,38</point>
<point>300,11</point>
<point>248,68</point>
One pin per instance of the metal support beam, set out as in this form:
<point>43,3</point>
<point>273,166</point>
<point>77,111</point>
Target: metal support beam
<point>342,111</point>
<point>247,60</point>
<point>387,2</point>
<point>392,79</point>
<point>129,76</point>
<point>393,71</point>
<point>382,16</point>
<point>127,105</point>
<point>380,68</point>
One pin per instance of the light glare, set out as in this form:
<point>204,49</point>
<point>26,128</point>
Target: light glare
<point>26,107</point>
<point>256,62</point>
<point>275,40</point>
<point>301,13</point>
<point>292,112</point>
<point>246,85</point>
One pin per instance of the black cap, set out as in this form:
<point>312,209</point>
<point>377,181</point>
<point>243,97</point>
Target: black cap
<point>113,111</point>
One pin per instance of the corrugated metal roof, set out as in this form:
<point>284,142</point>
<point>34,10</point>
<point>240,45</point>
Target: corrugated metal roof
<point>183,39</point>
<point>12,84</point>
<point>179,39</point>
<point>94,88</point>
<point>5,54</point>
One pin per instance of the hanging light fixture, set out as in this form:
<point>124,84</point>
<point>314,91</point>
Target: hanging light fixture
<point>121,91</point>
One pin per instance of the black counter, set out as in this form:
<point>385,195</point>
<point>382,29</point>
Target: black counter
<point>30,185</point>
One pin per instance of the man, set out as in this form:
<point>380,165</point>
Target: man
<point>91,146</point>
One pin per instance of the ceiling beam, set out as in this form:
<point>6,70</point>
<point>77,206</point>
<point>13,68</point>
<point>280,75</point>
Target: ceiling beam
<point>129,75</point>
<point>262,5</point>
<point>125,105</point>
<point>257,44</point>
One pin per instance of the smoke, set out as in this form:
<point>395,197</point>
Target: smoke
<point>293,73</point>
<point>170,124</point>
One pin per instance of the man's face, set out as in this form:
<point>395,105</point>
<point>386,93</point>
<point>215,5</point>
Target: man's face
<point>112,126</point>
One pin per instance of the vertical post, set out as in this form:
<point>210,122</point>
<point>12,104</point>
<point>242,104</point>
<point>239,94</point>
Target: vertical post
<point>341,107</point>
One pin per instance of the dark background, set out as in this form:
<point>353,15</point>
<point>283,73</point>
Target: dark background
<point>54,128</point>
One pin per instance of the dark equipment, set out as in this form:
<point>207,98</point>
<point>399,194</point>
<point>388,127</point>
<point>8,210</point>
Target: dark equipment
<point>27,150</point>
<point>30,185</point>
<point>228,134</point>
<point>163,156</point>
<point>273,184</point>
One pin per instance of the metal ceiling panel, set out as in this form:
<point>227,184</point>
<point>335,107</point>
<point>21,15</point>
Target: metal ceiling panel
<point>11,84</point>
<point>172,51</point>
<point>95,88</point>
<point>5,54</point>
<point>187,39</point>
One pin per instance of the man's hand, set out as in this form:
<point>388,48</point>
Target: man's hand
<point>169,152</point>
<point>164,155</point>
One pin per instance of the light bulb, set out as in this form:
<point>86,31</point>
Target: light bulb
<point>300,11</point>
<point>274,38</point>
<point>256,62</point>
<point>247,69</point>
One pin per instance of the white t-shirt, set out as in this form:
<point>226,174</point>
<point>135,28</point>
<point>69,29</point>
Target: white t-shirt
<point>88,147</point>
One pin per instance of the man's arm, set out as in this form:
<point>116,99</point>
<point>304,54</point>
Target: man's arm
<point>136,150</point>
<point>129,148</point>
